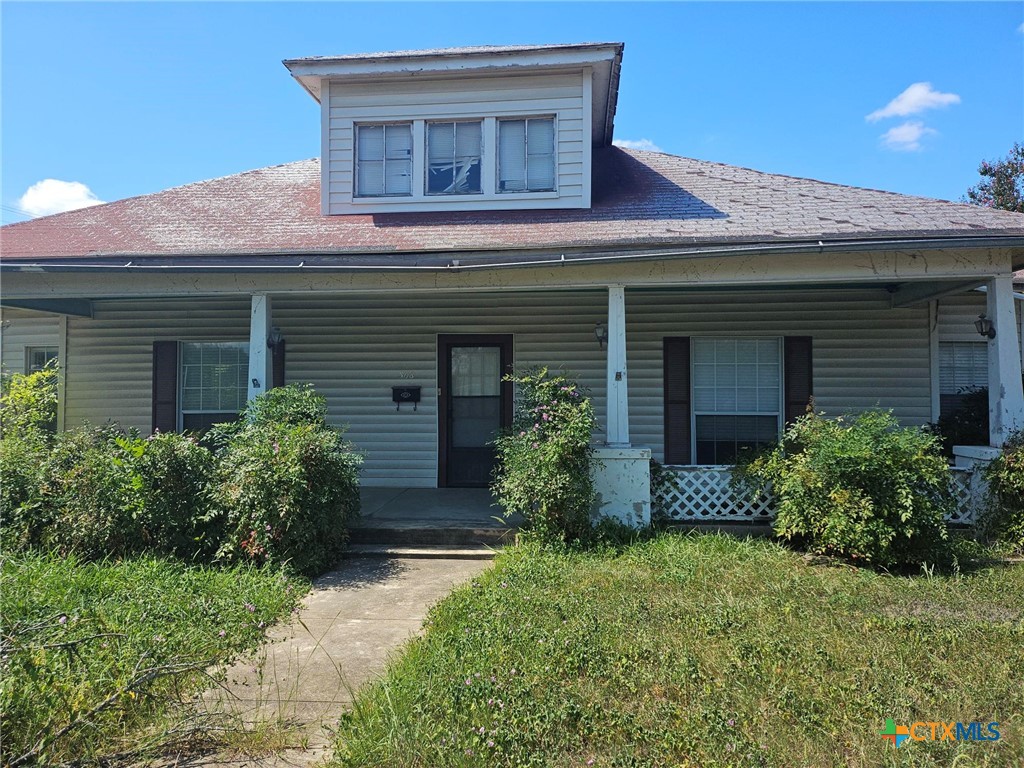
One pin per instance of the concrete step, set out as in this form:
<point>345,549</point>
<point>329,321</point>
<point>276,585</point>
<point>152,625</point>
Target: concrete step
<point>418,536</point>
<point>425,552</point>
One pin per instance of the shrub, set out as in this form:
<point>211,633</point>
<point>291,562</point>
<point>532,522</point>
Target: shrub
<point>286,491</point>
<point>858,487</point>
<point>20,520</point>
<point>543,469</point>
<point>174,476</point>
<point>28,403</point>
<point>661,484</point>
<point>1003,520</point>
<point>968,424</point>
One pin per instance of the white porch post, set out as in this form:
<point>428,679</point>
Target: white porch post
<point>1005,393</point>
<point>260,361</point>
<point>618,403</point>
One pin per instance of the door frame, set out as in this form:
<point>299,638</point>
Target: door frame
<point>445,342</point>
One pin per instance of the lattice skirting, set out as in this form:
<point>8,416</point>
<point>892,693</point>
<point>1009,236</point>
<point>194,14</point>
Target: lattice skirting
<point>705,494</point>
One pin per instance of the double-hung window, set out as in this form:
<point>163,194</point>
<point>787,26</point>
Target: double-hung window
<point>526,155</point>
<point>454,152</point>
<point>213,382</point>
<point>737,396</point>
<point>384,160</point>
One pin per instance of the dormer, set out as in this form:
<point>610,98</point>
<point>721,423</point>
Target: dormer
<point>462,129</point>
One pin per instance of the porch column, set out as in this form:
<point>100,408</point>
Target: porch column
<point>617,404</point>
<point>260,323</point>
<point>1005,392</point>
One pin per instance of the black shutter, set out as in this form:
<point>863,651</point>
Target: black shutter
<point>798,376</point>
<point>677,399</point>
<point>165,386</point>
<point>277,364</point>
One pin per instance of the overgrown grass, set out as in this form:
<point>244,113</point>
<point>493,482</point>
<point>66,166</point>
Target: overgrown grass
<point>99,657</point>
<point>698,651</point>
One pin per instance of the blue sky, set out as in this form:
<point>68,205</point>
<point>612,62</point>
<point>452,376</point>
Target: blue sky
<point>131,98</point>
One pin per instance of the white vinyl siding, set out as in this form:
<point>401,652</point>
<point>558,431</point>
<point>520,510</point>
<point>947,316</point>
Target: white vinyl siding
<point>21,333</point>
<point>354,348</point>
<point>486,99</point>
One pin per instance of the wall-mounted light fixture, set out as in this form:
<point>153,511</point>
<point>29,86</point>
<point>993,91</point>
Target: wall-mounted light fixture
<point>275,338</point>
<point>601,334</point>
<point>985,327</point>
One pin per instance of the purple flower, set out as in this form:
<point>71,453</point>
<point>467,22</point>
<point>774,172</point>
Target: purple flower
<point>222,633</point>
<point>250,608</point>
<point>490,743</point>
<point>469,681</point>
<point>731,722</point>
<point>62,620</point>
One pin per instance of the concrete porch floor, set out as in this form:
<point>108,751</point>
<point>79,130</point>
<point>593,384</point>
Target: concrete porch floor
<point>431,516</point>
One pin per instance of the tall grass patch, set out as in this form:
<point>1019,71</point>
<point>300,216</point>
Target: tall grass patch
<point>697,651</point>
<point>95,654</point>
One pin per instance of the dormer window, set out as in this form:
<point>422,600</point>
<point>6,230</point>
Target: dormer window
<point>453,157</point>
<point>384,160</point>
<point>526,155</point>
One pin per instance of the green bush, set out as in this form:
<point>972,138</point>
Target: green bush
<point>286,492</point>
<point>1003,520</point>
<point>544,462</point>
<point>858,487</point>
<point>21,521</point>
<point>28,403</point>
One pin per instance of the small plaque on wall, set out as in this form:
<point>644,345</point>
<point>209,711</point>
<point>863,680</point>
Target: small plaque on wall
<point>405,394</point>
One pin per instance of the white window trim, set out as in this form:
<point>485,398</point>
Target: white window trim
<point>182,412</point>
<point>488,160</point>
<point>780,414</point>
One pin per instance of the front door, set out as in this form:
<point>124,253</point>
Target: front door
<point>474,406</point>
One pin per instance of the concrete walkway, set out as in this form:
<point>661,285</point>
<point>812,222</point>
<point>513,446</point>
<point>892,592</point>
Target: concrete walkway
<point>341,638</point>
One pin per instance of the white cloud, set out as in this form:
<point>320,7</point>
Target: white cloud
<point>906,137</point>
<point>917,98</point>
<point>647,144</point>
<point>1021,28</point>
<point>56,196</point>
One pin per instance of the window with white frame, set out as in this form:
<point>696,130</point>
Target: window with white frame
<point>737,396</point>
<point>526,155</point>
<point>213,383</point>
<point>454,153</point>
<point>37,358</point>
<point>384,160</point>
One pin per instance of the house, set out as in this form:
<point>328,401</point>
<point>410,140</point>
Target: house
<point>468,214</point>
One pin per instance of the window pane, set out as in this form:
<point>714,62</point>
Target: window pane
<point>721,439</point>
<point>511,155</point>
<point>384,159</point>
<point>453,165</point>
<point>540,167</point>
<point>963,366</point>
<point>38,358</point>
<point>370,142</point>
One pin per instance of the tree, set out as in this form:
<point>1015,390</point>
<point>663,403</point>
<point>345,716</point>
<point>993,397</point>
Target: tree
<point>1002,183</point>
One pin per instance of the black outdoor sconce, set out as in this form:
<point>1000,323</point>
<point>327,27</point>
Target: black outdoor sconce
<point>601,333</point>
<point>985,327</point>
<point>407,394</point>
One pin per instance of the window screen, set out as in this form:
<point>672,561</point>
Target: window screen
<point>453,158</point>
<point>526,155</point>
<point>384,160</point>
<point>737,389</point>
<point>214,382</point>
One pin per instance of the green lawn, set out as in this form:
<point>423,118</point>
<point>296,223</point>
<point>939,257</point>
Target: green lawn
<point>699,651</point>
<point>98,657</point>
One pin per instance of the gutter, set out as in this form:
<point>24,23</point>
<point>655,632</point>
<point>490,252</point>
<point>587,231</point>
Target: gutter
<point>233,264</point>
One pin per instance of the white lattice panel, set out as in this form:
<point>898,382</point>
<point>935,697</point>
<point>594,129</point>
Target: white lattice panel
<point>705,494</point>
<point>967,491</point>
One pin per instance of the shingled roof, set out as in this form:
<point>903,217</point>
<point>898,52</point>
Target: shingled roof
<point>640,200</point>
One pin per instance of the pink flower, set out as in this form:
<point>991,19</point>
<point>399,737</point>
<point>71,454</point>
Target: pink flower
<point>222,633</point>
